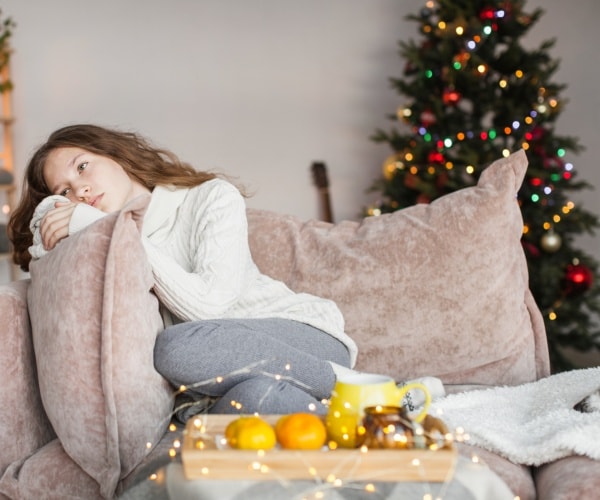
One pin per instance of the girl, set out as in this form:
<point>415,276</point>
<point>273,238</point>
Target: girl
<point>239,340</point>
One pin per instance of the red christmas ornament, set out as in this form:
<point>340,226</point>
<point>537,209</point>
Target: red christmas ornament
<point>578,279</point>
<point>435,157</point>
<point>450,97</point>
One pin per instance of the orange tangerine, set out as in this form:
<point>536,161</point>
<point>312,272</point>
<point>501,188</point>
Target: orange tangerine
<point>301,431</point>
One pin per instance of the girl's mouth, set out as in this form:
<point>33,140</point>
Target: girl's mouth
<point>94,201</point>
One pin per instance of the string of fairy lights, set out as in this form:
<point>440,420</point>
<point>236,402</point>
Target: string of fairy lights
<point>526,132</point>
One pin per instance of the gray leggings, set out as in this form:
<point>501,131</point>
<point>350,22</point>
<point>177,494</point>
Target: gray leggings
<point>272,365</point>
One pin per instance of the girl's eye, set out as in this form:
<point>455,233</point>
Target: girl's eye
<point>82,166</point>
<point>64,192</point>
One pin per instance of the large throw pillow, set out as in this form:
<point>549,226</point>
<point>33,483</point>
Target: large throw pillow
<point>24,427</point>
<point>434,289</point>
<point>94,323</point>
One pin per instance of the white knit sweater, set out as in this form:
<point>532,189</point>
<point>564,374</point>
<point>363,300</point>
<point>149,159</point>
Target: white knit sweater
<point>197,244</point>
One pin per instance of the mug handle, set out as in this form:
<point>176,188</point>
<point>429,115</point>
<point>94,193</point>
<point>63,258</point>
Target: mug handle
<point>417,385</point>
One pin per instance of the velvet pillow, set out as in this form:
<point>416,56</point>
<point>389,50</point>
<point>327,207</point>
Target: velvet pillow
<point>434,289</point>
<point>25,427</point>
<point>94,323</point>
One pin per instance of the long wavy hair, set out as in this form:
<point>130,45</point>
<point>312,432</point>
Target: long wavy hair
<point>144,163</point>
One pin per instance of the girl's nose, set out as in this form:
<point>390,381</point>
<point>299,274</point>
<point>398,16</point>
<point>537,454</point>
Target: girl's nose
<point>82,192</point>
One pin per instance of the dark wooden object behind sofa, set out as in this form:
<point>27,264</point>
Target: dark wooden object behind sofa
<point>319,172</point>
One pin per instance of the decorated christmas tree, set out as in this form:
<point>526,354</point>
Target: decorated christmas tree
<point>472,93</point>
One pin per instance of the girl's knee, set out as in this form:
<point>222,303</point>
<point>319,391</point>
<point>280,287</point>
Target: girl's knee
<point>183,337</point>
<point>267,395</point>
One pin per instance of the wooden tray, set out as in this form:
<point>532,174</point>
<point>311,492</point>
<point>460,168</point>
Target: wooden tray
<point>205,457</point>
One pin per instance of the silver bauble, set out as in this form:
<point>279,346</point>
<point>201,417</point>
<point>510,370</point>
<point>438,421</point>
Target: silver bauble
<point>551,242</point>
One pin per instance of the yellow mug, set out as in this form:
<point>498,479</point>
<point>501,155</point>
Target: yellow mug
<point>353,393</point>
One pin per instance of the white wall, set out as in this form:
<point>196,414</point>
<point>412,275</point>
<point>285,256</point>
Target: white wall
<point>257,88</point>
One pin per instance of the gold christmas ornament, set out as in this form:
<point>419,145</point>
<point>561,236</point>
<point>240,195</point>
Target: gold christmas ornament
<point>551,242</point>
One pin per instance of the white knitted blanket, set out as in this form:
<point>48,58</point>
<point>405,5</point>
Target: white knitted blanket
<point>533,423</point>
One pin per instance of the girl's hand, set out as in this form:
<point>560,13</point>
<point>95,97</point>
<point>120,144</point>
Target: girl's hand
<point>55,224</point>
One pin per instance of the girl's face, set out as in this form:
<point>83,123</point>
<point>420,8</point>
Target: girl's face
<point>85,177</point>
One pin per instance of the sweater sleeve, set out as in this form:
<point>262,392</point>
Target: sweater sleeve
<point>83,216</point>
<point>215,232</point>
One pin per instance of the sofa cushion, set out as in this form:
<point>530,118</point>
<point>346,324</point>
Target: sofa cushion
<point>434,289</point>
<point>25,426</point>
<point>94,323</point>
<point>49,474</point>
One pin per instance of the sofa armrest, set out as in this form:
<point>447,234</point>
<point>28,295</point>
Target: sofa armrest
<point>25,427</point>
<point>570,477</point>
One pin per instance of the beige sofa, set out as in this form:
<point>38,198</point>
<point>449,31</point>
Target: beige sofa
<point>437,289</point>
